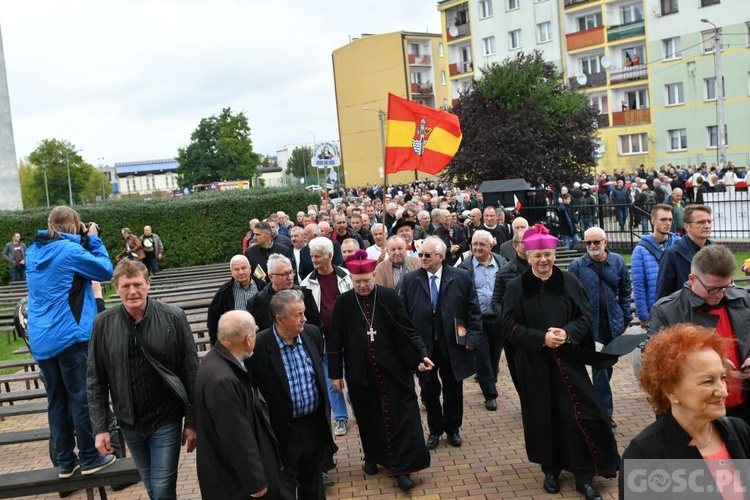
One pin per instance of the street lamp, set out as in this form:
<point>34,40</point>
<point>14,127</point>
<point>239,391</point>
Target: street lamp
<point>316,168</point>
<point>101,169</point>
<point>381,118</point>
<point>46,189</point>
<point>721,151</point>
<point>70,186</point>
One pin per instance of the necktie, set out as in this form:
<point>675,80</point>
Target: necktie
<point>434,292</point>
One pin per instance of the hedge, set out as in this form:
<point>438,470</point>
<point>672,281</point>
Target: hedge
<point>203,228</point>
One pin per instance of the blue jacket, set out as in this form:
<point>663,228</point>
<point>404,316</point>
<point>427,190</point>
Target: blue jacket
<point>674,266</point>
<point>62,306</point>
<point>644,268</point>
<point>616,290</point>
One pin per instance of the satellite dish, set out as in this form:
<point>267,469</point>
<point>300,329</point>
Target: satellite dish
<point>453,31</point>
<point>581,78</point>
<point>606,62</point>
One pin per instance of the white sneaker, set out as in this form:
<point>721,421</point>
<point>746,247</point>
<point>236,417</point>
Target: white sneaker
<point>340,428</point>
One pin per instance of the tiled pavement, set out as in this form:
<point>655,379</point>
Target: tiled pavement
<point>491,463</point>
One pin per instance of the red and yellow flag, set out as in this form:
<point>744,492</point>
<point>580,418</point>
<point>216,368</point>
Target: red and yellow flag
<point>418,137</point>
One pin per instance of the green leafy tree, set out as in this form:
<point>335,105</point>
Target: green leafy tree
<point>298,164</point>
<point>52,157</point>
<point>220,149</point>
<point>519,120</point>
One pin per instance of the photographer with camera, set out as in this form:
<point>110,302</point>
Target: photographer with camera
<point>61,262</point>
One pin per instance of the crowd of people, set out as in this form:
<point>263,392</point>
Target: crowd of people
<point>360,298</point>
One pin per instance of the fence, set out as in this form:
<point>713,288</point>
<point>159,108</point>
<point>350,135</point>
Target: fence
<point>730,214</point>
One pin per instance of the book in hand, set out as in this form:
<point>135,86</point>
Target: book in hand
<point>461,331</point>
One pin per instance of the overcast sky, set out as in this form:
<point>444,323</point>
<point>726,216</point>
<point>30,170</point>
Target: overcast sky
<point>129,80</point>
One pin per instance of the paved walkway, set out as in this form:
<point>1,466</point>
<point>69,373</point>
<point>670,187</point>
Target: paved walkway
<point>491,463</point>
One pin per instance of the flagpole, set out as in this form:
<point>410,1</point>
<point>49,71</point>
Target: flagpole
<point>382,118</point>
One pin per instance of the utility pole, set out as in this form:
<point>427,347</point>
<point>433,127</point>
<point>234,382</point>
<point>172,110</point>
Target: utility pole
<point>721,135</point>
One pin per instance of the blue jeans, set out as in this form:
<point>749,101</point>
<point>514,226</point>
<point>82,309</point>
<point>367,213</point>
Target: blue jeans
<point>18,273</point>
<point>68,408</point>
<point>156,454</point>
<point>338,405</point>
<point>622,216</point>
<point>645,219</point>
<point>570,242</point>
<point>587,221</point>
<point>602,388</point>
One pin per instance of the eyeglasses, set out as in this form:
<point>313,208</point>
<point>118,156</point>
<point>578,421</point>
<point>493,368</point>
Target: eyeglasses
<point>714,290</point>
<point>593,242</point>
<point>705,222</point>
<point>425,255</point>
<point>283,275</point>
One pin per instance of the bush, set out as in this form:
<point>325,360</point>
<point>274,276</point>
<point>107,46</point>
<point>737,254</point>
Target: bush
<point>203,228</point>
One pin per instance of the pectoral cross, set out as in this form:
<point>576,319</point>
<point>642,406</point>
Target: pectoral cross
<point>371,333</point>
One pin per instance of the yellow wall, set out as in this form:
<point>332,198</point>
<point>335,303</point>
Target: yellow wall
<point>365,71</point>
<point>611,160</point>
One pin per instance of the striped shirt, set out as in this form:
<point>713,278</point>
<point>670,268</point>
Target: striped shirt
<point>301,375</point>
<point>242,294</point>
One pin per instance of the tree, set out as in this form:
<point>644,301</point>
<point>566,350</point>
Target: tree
<point>53,157</point>
<point>519,120</point>
<point>220,150</point>
<point>299,163</point>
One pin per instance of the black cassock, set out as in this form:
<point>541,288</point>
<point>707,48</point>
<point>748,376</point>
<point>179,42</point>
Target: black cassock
<point>565,425</point>
<point>379,377</point>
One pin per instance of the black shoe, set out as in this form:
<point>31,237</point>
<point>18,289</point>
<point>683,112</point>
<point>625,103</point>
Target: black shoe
<point>551,485</point>
<point>490,405</point>
<point>612,422</point>
<point>405,483</point>
<point>588,491</point>
<point>454,439</point>
<point>432,441</point>
<point>370,468</point>
<point>328,480</point>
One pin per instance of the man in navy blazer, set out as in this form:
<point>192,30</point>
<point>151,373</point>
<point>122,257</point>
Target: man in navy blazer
<point>435,297</point>
<point>300,423</point>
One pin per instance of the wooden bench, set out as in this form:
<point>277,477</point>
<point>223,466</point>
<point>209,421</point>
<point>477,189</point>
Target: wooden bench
<point>22,409</point>
<point>27,377</point>
<point>20,437</point>
<point>12,397</point>
<point>45,481</point>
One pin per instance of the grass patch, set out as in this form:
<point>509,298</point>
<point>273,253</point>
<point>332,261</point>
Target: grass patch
<point>6,352</point>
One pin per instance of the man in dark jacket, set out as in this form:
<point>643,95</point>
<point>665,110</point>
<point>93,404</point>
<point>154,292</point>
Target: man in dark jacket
<point>568,223</point>
<point>234,294</point>
<point>288,365</point>
<point>436,297</point>
<point>263,246</point>
<point>239,455</point>
<point>144,344</point>
<point>451,235</point>
<point>674,266</point>
<point>281,274</point>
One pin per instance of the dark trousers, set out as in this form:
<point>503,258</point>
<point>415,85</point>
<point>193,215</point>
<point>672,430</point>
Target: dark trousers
<point>447,418</point>
<point>487,357</point>
<point>151,262</point>
<point>304,457</point>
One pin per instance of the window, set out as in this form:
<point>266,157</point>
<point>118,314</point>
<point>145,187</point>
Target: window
<point>675,94</point>
<point>544,31</point>
<point>669,7</point>
<point>416,77</point>
<point>706,3</point>
<point>747,30</point>
<point>637,55</point>
<point>150,182</point>
<point>637,99</point>
<point>600,103</point>
<point>442,78</point>
<point>130,183</point>
<point>709,41</point>
<point>631,13</point>
<point>677,139</point>
<point>514,39</point>
<point>709,84</point>
<point>712,136</point>
<point>672,48</point>
<point>485,9</point>
<point>590,65</point>
<point>171,180</point>
<point>633,144</point>
<point>440,49</point>
<point>514,4</point>
<point>488,45</point>
<point>589,21</point>
<point>414,49</point>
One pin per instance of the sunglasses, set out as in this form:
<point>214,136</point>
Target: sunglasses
<point>425,255</point>
<point>593,242</point>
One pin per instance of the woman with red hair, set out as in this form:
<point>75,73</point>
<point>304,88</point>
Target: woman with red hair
<point>685,376</point>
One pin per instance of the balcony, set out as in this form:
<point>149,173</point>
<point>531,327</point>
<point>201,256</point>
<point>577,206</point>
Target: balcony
<point>458,31</point>
<point>602,120</point>
<point>631,117</point>
<point>421,88</point>
<point>460,68</point>
<point>574,3</point>
<point>585,38</point>
<point>592,80</point>
<point>628,73</point>
<point>627,30</point>
<point>423,60</point>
